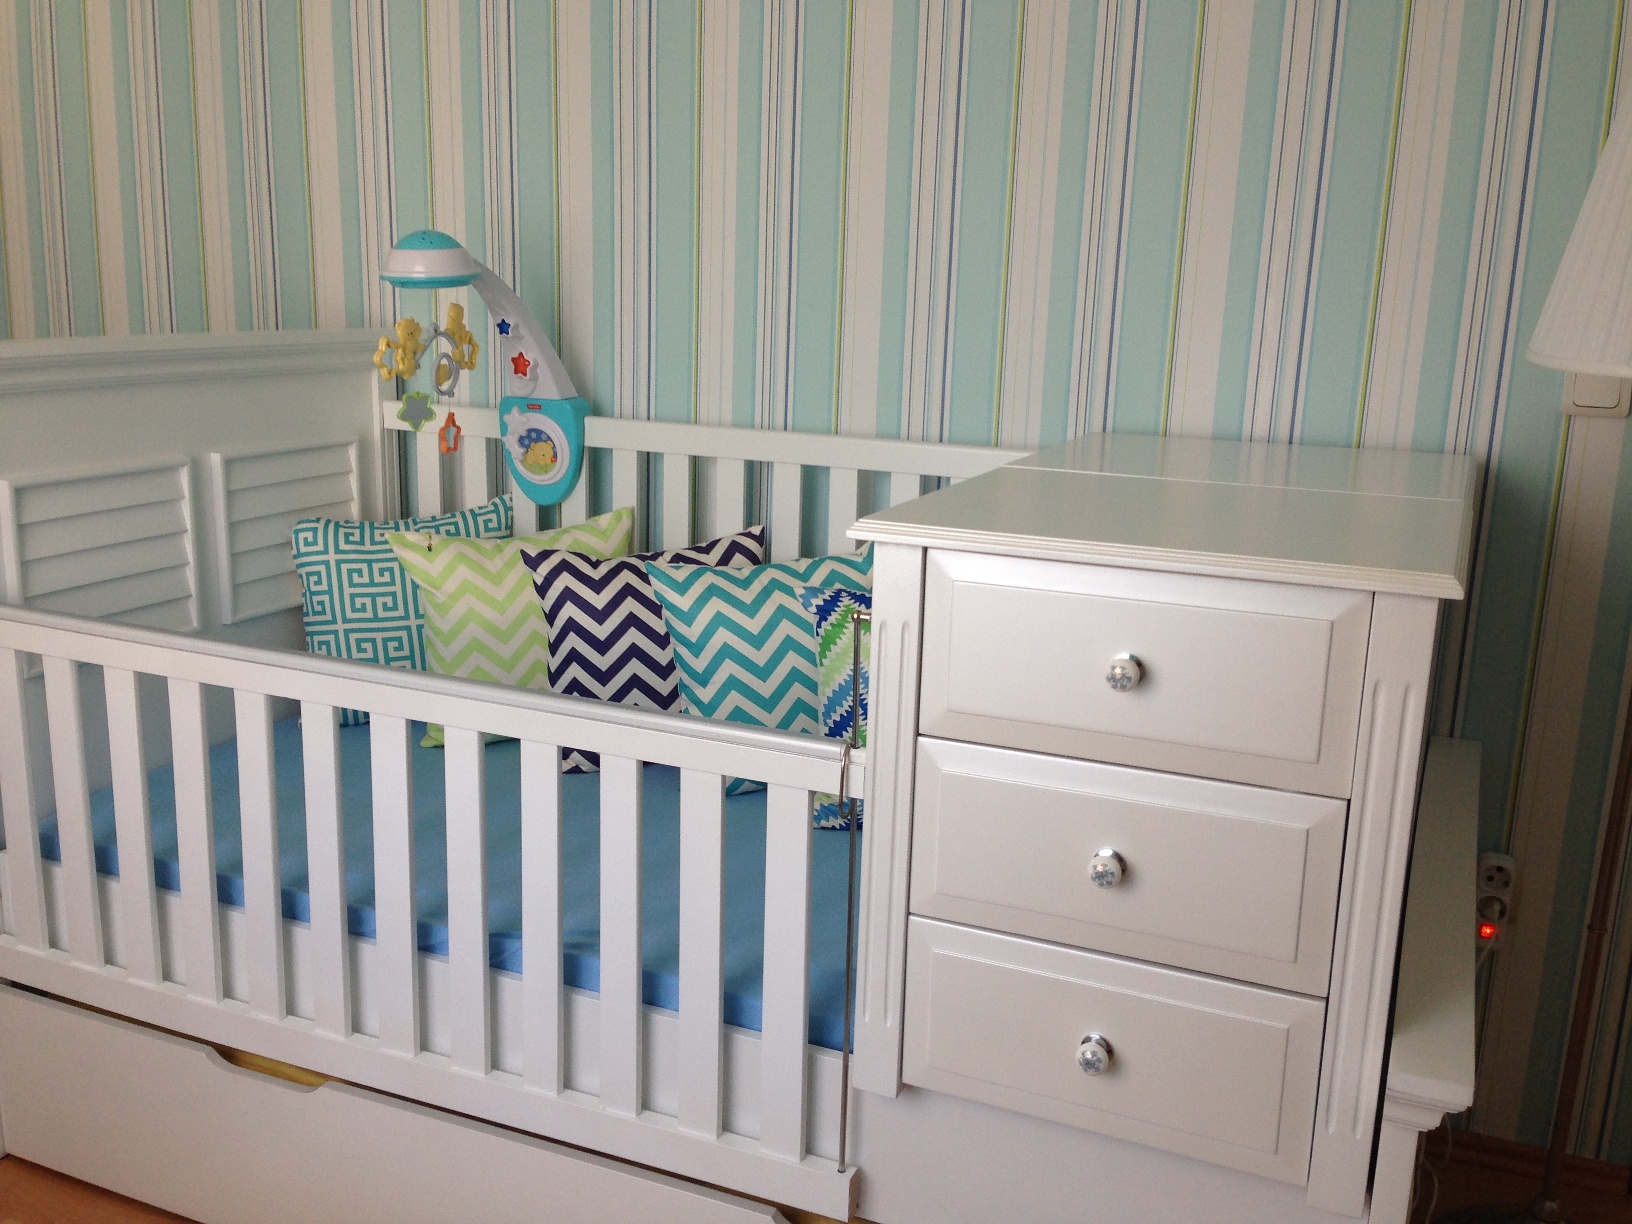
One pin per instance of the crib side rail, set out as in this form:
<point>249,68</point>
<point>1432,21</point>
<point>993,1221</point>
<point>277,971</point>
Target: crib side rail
<point>192,993</point>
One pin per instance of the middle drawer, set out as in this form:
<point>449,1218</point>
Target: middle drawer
<point>1215,876</point>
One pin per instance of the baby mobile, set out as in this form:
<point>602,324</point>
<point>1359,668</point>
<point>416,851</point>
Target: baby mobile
<point>541,420</point>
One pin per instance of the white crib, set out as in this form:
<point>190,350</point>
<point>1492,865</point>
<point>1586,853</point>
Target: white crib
<point>682,1091</point>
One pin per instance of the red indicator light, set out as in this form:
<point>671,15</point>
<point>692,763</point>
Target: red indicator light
<point>1488,930</point>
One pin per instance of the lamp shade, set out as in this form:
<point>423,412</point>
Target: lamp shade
<point>1586,324</point>
<point>429,259</point>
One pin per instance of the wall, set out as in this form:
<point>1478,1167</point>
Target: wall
<point>989,221</point>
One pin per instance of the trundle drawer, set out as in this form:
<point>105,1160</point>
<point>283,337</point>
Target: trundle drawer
<point>1211,1069</point>
<point>1228,879</point>
<point>1249,681</point>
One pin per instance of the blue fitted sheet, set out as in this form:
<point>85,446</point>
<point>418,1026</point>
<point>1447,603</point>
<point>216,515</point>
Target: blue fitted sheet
<point>660,856</point>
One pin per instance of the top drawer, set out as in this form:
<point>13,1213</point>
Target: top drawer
<point>1248,681</point>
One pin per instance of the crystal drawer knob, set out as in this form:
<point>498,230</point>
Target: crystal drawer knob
<point>1125,672</point>
<point>1107,868</point>
<point>1094,1055</point>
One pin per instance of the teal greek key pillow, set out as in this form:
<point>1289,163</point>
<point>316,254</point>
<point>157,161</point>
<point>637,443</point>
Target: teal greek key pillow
<point>355,596</point>
<point>744,644</point>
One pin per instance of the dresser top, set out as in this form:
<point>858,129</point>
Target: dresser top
<point>1375,520</point>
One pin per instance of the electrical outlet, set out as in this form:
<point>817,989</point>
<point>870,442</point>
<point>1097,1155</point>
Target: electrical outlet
<point>1493,899</point>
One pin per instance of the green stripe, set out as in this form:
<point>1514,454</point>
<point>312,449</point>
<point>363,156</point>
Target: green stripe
<point>1184,211</point>
<point>345,121</point>
<point>129,218</point>
<point>844,208</point>
<point>751,52</point>
<point>675,136</point>
<point>892,415</point>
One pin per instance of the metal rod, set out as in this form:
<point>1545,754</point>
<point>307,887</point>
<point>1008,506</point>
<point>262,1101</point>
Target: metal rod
<point>858,618</point>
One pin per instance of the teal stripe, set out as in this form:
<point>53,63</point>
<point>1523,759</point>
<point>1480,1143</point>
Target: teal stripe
<point>410,167</point>
<point>533,128</point>
<point>985,186</point>
<point>180,186</point>
<point>673,120</point>
<point>892,415</point>
<point>1354,200</point>
<point>751,51</point>
<point>473,186</point>
<point>233,123</point>
<point>605,192</point>
<point>345,123</point>
<point>1247,233</point>
<point>291,166</point>
<point>129,221</point>
<point>1452,263</point>
<point>1069,201</point>
<point>26,86</point>
<point>78,182</point>
<point>1154,240</point>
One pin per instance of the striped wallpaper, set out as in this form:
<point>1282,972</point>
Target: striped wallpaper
<point>1005,221</point>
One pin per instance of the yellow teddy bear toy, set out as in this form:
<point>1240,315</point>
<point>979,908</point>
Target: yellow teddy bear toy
<point>405,351</point>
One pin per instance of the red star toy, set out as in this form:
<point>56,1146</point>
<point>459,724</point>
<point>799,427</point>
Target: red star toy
<point>520,365</point>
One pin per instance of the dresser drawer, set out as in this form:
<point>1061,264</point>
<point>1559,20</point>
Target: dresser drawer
<point>1211,1069</point>
<point>1249,681</point>
<point>1228,879</point>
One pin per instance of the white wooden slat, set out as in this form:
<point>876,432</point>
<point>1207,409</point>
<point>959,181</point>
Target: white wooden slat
<point>782,1081</point>
<point>263,878</point>
<point>46,495</point>
<point>620,935</point>
<point>326,870</point>
<point>626,490</point>
<point>903,487</point>
<point>195,841</point>
<point>730,496</point>
<point>843,493</point>
<point>257,469</point>
<point>273,530</point>
<point>472,463</point>
<point>80,532</point>
<point>127,758</point>
<point>428,471</point>
<point>785,505</point>
<point>395,927</point>
<point>121,596</point>
<point>676,501</point>
<point>542,997</point>
<point>25,882</point>
<point>271,560</point>
<point>702,897</point>
<point>70,571</point>
<point>467,901</point>
<point>465,780</point>
<point>290,499</point>
<point>575,506</point>
<point>77,847</point>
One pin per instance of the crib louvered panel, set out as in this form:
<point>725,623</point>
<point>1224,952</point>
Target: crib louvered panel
<point>114,544</point>
<point>263,879</point>
<point>127,758</point>
<point>326,869</point>
<point>256,499</point>
<point>785,507</point>
<point>676,501</point>
<point>843,500</point>
<point>786,991</point>
<point>543,1043</point>
<point>620,935</point>
<point>396,929</point>
<point>25,883</point>
<point>702,904</point>
<point>76,846</point>
<point>195,841</point>
<point>466,783</point>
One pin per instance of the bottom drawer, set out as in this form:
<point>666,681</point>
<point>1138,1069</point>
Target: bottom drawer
<point>1208,1068</point>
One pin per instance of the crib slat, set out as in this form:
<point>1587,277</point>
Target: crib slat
<point>195,839</point>
<point>575,507</point>
<point>472,457</point>
<point>676,501</point>
<point>467,899</point>
<point>702,884</point>
<point>77,847</point>
<point>541,916</point>
<point>395,928</point>
<point>263,877</point>
<point>25,877</point>
<point>626,466</point>
<point>427,473</point>
<point>787,959</point>
<point>903,487</point>
<point>730,496</point>
<point>785,498</point>
<point>843,492</point>
<point>326,869</point>
<point>620,935</point>
<point>127,758</point>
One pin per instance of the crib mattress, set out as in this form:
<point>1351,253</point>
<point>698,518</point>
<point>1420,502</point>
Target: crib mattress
<point>580,886</point>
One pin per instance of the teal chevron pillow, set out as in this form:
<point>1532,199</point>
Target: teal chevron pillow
<point>355,597</point>
<point>482,620</point>
<point>744,644</point>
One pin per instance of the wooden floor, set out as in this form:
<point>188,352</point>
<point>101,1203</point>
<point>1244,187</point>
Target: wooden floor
<point>32,1195</point>
<point>1482,1171</point>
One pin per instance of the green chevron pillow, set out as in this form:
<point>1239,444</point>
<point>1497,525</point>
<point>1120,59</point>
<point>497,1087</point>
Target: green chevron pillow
<point>482,620</point>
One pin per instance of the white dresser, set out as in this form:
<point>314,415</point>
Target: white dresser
<point>1147,728</point>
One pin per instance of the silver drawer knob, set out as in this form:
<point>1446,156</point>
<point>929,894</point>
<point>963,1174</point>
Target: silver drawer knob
<point>1094,1055</point>
<point>1125,672</point>
<point>1107,868</point>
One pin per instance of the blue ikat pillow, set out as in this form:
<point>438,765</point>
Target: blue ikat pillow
<point>357,600</point>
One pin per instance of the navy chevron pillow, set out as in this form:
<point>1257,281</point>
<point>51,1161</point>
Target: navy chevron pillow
<point>607,637</point>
